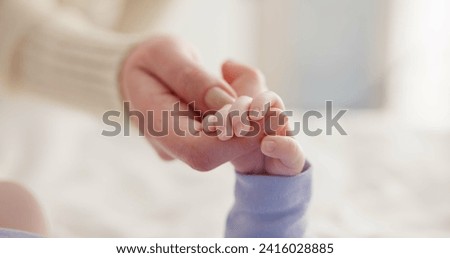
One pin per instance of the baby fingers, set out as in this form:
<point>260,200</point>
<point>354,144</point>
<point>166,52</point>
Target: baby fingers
<point>239,115</point>
<point>223,124</point>
<point>263,103</point>
<point>286,157</point>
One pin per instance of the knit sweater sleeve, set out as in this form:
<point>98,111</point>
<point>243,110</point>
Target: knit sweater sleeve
<point>54,50</point>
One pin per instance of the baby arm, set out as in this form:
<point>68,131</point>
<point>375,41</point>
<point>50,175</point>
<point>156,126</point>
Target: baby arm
<point>273,183</point>
<point>269,206</point>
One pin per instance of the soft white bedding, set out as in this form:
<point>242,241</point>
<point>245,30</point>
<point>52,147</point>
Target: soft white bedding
<point>384,179</point>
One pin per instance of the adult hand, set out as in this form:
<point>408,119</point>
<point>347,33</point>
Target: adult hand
<point>164,71</point>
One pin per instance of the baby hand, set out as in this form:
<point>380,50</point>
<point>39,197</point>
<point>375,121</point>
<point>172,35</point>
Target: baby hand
<point>262,116</point>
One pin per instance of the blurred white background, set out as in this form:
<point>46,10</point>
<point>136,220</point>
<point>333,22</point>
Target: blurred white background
<point>388,62</point>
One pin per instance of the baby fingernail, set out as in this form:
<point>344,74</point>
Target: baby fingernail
<point>268,146</point>
<point>212,119</point>
<point>256,113</point>
<point>216,98</point>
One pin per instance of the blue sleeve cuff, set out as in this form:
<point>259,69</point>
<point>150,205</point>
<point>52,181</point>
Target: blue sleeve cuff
<point>270,206</point>
<point>11,233</point>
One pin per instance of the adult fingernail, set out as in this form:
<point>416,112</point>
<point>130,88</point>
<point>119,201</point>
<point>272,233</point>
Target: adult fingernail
<point>216,98</point>
<point>268,146</point>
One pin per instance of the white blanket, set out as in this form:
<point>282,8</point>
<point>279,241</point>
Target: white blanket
<point>381,180</point>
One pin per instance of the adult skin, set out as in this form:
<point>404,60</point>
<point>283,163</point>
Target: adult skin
<point>163,71</point>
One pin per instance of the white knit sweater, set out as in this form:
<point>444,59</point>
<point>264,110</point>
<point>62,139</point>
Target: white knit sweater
<point>70,50</point>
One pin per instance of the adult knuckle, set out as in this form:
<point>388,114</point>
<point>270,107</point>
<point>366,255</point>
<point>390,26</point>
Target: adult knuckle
<point>166,40</point>
<point>190,75</point>
<point>194,53</point>
<point>257,75</point>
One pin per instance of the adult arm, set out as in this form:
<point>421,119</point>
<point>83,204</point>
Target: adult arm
<point>55,50</point>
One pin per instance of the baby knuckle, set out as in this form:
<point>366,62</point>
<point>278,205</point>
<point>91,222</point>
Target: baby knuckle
<point>291,146</point>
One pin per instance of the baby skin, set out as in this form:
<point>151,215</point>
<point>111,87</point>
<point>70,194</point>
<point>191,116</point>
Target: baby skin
<point>259,116</point>
<point>272,189</point>
<point>273,179</point>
